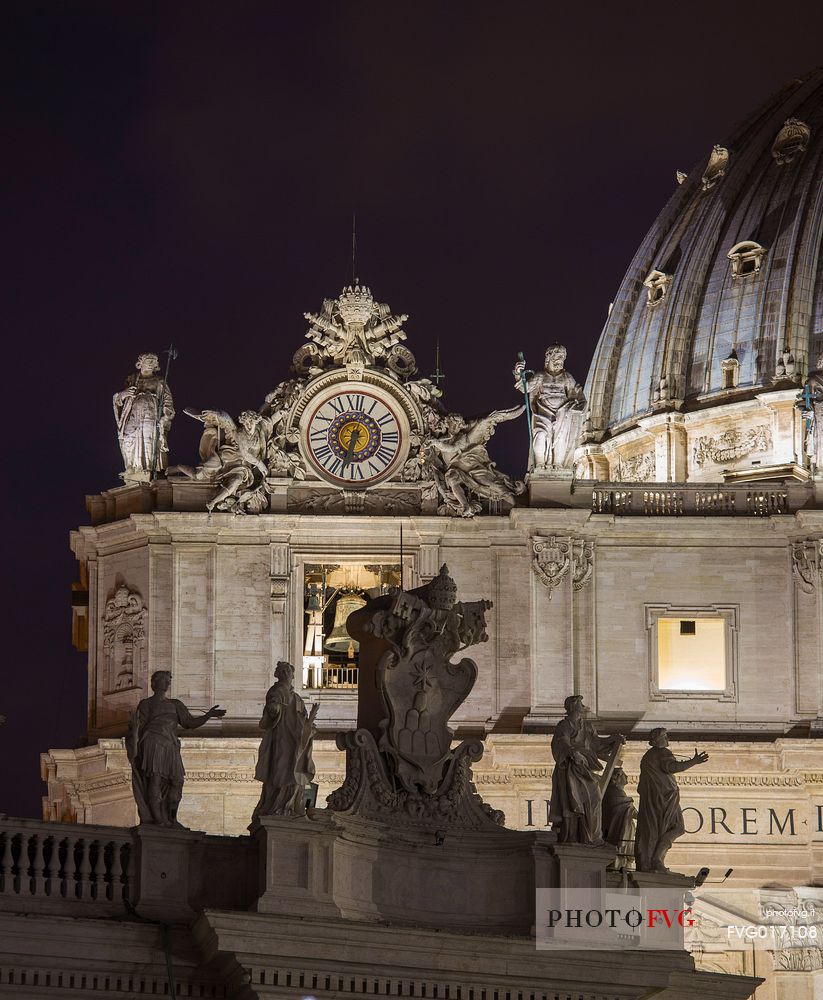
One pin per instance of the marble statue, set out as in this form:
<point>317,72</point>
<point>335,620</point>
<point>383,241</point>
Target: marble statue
<point>232,457</point>
<point>557,404</point>
<point>143,412</point>
<point>659,821</point>
<point>619,817</point>
<point>459,465</point>
<point>284,762</point>
<point>575,809</point>
<point>814,425</point>
<point>154,751</point>
<point>400,765</point>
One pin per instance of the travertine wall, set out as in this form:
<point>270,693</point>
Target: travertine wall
<point>224,600</point>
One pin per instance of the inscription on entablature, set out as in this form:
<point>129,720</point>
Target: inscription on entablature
<point>732,445</point>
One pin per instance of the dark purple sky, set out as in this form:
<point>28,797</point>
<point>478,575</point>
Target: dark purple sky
<point>187,172</point>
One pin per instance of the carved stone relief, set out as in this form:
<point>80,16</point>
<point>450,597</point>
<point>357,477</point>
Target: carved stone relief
<point>715,168</point>
<point>803,564</point>
<point>387,502</point>
<point>553,558</point>
<point>731,445</point>
<point>791,140</point>
<point>124,640</point>
<point>637,469</point>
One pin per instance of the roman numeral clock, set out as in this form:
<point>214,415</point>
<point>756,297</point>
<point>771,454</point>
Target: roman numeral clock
<point>354,434</point>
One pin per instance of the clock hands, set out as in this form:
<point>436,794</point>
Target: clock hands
<point>355,437</point>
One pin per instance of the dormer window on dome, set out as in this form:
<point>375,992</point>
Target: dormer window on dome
<point>791,141</point>
<point>715,168</point>
<point>657,284</point>
<point>730,370</point>
<point>746,258</point>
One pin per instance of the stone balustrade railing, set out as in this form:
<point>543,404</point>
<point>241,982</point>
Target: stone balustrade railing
<point>694,499</point>
<point>147,871</point>
<point>61,862</point>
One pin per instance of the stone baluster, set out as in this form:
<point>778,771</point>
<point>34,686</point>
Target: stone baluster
<point>84,885</point>
<point>38,871</point>
<point>7,877</point>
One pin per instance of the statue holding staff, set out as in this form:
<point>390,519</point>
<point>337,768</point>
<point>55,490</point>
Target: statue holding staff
<point>556,403</point>
<point>143,412</point>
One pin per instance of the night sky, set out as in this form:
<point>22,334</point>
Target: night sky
<point>187,172</point>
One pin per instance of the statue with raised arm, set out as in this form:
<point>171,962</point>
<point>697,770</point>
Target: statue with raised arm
<point>153,750</point>
<point>557,404</point>
<point>460,465</point>
<point>659,820</point>
<point>143,412</point>
<point>284,762</point>
<point>575,809</point>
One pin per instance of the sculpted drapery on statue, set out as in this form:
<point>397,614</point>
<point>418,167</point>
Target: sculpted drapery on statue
<point>153,750</point>
<point>659,820</point>
<point>284,762</point>
<point>143,412</point>
<point>576,801</point>
<point>814,426</point>
<point>460,467</point>
<point>557,403</point>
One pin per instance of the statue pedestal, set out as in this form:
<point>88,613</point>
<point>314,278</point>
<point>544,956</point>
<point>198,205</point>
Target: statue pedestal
<point>551,487</point>
<point>460,880</point>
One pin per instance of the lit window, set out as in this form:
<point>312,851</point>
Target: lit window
<point>692,652</point>
<point>331,592</point>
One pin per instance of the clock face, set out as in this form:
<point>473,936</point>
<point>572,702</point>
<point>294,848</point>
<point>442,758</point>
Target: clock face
<point>354,437</point>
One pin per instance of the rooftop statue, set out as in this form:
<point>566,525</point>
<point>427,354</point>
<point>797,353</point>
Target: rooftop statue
<point>813,394</point>
<point>577,783</point>
<point>456,462</point>
<point>143,412</point>
<point>660,820</point>
<point>619,817</point>
<point>556,401</point>
<point>399,762</point>
<point>154,751</point>
<point>284,762</point>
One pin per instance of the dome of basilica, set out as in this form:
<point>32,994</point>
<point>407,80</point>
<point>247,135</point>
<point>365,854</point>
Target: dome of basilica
<point>719,317</point>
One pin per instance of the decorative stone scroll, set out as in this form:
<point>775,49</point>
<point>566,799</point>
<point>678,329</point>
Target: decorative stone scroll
<point>716,167</point>
<point>732,445</point>
<point>553,558</point>
<point>124,641</point>
<point>803,564</point>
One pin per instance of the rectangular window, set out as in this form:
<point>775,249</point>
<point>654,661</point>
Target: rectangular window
<point>692,652</point>
<point>331,592</point>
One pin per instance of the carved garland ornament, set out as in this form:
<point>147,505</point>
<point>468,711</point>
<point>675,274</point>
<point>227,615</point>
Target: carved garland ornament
<point>553,558</point>
<point>732,445</point>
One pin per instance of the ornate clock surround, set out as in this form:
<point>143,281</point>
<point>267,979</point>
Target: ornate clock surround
<point>373,383</point>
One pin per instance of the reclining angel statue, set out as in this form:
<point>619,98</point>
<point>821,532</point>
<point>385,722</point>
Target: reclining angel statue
<point>459,464</point>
